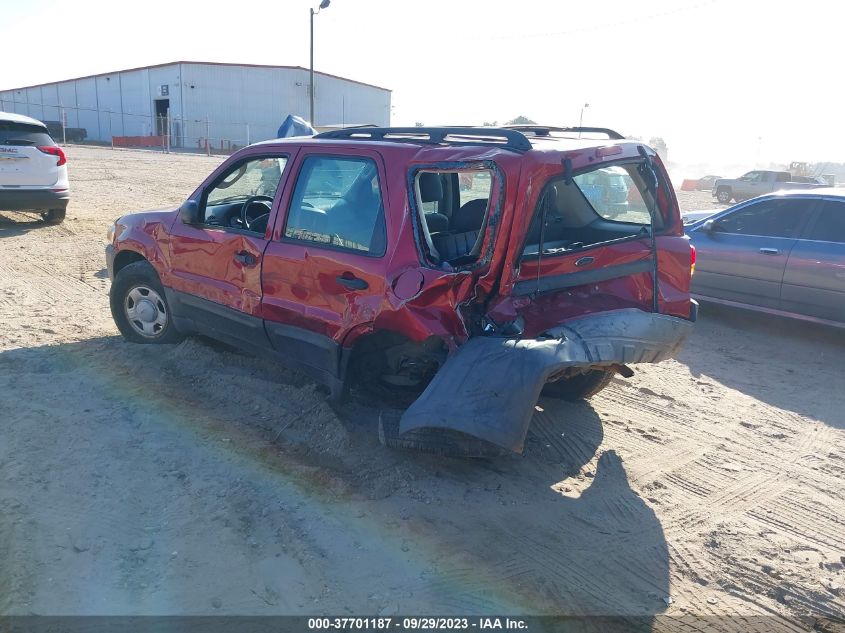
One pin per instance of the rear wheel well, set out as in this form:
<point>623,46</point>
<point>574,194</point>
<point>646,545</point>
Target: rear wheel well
<point>386,360</point>
<point>124,258</point>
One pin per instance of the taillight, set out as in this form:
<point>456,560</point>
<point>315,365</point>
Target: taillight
<point>692,260</point>
<point>55,151</point>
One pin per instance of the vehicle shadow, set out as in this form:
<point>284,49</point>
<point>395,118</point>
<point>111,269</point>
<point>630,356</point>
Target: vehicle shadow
<point>788,364</point>
<point>555,532</point>
<point>19,223</point>
<point>557,529</point>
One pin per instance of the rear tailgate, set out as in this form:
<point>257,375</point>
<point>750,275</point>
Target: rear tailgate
<point>22,164</point>
<point>595,254</point>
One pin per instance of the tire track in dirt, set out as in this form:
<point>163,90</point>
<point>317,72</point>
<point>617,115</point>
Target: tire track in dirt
<point>755,485</point>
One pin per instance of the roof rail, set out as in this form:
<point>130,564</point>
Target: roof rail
<point>546,130</point>
<point>510,139</point>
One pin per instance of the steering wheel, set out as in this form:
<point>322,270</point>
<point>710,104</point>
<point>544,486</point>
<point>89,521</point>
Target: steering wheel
<point>244,218</point>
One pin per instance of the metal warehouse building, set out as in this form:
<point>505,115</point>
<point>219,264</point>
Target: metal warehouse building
<point>223,104</point>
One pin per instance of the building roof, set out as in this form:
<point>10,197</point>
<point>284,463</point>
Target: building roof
<point>126,70</point>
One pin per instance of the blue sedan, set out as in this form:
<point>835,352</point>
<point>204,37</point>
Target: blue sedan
<point>782,253</point>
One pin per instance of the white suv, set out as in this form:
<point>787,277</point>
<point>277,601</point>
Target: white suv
<point>33,169</point>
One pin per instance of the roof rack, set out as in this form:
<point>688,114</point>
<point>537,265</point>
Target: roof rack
<point>546,130</point>
<point>510,139</point>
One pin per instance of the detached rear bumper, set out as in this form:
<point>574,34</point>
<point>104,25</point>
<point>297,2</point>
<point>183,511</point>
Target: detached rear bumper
<point>33,199</point>
<point>489,387</point>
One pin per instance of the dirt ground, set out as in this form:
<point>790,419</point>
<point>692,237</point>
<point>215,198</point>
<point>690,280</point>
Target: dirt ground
<point>191,479</point>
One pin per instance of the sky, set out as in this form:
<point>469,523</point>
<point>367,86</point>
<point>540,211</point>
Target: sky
<point>723,82</point>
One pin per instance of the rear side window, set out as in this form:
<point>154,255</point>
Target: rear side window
<point>600,205</point>
<point>453,207</point>
<point>338,202</point>
<point>23,134</point>
<point>830,224</point>
<point>770,218</point>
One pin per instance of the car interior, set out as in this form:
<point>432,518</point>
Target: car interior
<point>452,231</point>
<point>566,220</point>
<point>243,198</point>
<point>328,210</point>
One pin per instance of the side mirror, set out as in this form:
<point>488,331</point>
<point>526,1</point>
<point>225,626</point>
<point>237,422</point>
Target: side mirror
<point>189,212</point>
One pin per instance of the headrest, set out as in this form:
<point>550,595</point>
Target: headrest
<point>436,222</point>
<point>470,217</point>
<point>431,189</point>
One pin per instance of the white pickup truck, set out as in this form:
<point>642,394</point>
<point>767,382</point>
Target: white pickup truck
<point>756,183</point>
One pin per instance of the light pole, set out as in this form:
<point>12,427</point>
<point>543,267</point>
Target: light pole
<point>323,5</point>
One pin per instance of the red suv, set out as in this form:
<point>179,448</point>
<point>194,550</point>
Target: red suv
<point>469,264</point>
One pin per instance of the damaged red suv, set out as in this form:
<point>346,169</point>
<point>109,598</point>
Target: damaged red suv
<point>477,267</point>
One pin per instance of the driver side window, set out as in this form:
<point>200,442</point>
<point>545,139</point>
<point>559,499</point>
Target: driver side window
<point>243,196</point>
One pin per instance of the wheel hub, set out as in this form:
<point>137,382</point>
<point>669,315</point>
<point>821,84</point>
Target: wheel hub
<point>145,310</point>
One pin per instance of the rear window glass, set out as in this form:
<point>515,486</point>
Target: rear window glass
<point>23,134</point>
<point>600,205</point>
<point>614,195</point>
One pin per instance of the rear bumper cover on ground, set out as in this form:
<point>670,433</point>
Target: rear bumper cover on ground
<point>33,199</point>
<point>489,387</point>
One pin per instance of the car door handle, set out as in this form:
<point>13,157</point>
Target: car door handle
<point>245,258</point>
<point>351,281</point>
<point>770,251</point>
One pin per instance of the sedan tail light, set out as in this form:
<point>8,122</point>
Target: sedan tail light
<point>692,260</point>
<point>55,151</point>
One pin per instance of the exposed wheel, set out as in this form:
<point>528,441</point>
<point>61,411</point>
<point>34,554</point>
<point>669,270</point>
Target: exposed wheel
<point>53,216</point>
<point>724,196</point>
<point>139,306</point>
<point>579,387</point>
<point>395,370</point>
<point>436,441</point>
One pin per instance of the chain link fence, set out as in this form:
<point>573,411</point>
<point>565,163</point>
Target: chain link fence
<point>128,129</point>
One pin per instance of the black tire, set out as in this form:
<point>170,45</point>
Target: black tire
<point>53,216</point>
<point>579,387</point>
<point>137,288</point>
<point>435,441</point>
<point>724,195</point>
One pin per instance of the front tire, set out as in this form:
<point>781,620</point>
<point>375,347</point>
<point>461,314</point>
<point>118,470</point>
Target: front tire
<point>579,387</point>
<point>139,306</point>
<point>724,196</point>
<point>54,216</point>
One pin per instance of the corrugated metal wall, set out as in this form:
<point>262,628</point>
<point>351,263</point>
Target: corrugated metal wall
<point>228,104</point>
